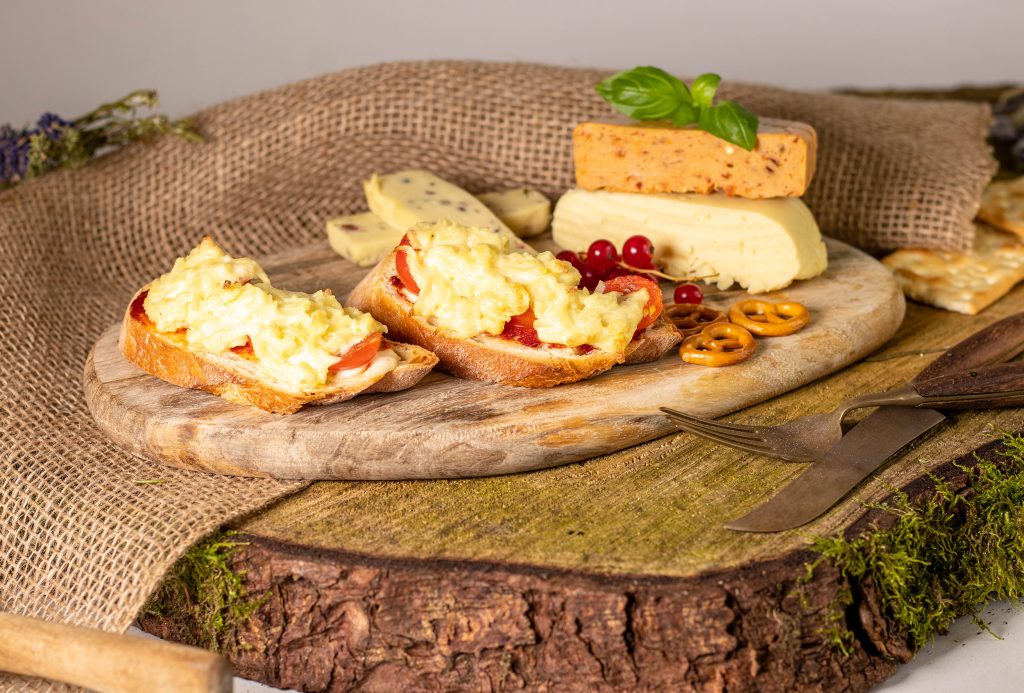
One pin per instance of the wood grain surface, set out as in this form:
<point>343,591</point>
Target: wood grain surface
<point>449,428</point>
<point>615,574</point>
<point>107,662</point>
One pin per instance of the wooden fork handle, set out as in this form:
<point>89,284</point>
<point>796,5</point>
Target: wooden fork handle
<point>107,662</point>
<point>1000,341</point>
<point>1001,385</point>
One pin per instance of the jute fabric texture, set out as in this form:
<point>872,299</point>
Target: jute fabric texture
<point>82,539</point>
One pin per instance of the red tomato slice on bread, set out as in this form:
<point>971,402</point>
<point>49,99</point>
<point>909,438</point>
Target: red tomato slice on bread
<point>520,328</point>
<point>629,283</point>
<point>404,275</point>
<point>359,355</point>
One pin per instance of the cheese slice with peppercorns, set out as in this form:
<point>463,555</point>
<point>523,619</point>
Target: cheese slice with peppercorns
<point>762,245</point>
<point>656,157</point>
<point>527,212</point>
<point>362,239</point>
<point>365,239</point>
<point>407,198</point>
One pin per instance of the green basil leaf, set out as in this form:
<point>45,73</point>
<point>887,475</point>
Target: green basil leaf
<point>703,89</point>
<point>650,93</point>
<point>645,93</point>
<point>732,123</point>
<point>685,114</point>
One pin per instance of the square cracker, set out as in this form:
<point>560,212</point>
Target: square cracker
<point>961,282</point>
<point>1002,205</point>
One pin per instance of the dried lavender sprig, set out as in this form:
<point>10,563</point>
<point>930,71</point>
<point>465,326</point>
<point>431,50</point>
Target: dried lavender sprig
<point>58,143</point>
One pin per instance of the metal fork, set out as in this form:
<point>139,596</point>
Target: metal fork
<point>808,437</point>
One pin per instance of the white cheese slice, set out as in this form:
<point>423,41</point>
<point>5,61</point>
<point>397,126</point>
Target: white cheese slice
<point>527,212</point>
<point>362,238</point>
<point>406,198</point>
<point>762,245</point>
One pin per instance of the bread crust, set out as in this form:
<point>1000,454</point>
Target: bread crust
<point>494,359</point>
<point>167,357</point>
<point>657,339</point>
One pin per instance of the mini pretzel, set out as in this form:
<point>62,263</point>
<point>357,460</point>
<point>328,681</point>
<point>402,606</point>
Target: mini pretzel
<point>691,318</point>
<point>718,344</point>
<point>769,319</point>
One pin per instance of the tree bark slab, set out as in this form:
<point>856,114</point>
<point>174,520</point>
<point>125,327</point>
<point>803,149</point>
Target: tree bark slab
<point>615,574</point>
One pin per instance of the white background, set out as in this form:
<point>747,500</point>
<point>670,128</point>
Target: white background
<point>67,56</point>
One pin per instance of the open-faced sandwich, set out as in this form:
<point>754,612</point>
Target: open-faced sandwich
<point>495,314</point>
<point>215,323</point>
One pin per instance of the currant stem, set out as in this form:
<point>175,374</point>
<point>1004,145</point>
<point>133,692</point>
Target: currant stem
<point>662,275</point>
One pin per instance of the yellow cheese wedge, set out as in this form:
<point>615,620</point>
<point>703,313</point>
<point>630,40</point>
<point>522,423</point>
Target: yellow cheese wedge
<point>762,245</point>
<point>406,198</point>
<point>362,238</point>
<point>527,212</point>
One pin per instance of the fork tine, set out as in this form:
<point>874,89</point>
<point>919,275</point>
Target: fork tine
<point>731,442</point>
<point>710,424</point>
<point>747,433</point>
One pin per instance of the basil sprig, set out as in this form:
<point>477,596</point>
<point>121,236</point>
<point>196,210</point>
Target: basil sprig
<point>650,93</point>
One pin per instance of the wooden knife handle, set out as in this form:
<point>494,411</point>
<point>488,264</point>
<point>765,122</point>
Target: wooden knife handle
<point>1000,341</point>
<point>1001,385</point>
<point>107,661</point>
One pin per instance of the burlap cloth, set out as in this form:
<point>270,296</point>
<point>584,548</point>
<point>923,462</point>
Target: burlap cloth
<point>81,540</point>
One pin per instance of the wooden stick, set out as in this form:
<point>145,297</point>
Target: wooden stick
<point>107,662</point>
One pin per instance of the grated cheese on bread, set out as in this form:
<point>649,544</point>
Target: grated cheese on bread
<point>496,359</point>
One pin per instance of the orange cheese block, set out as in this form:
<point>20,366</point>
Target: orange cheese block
<point>658,158</point>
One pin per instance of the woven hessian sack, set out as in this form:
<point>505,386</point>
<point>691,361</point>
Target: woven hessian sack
<point>80,539</point>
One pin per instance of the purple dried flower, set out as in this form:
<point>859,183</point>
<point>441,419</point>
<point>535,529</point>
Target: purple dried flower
<point>14,148</point>
<point>52,125</point>
<point>8,153</point>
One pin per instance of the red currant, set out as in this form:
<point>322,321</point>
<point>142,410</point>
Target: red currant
<point>572,258</point>
<point>601,255</point>
<point>688,293</point>
<point>638,251</point>
<point>590,278</point>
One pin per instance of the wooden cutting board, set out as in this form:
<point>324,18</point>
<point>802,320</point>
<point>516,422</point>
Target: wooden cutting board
<point>450,428</point>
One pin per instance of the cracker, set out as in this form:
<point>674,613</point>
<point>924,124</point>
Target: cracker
<point>961,282</point>
<point>1002,205</point>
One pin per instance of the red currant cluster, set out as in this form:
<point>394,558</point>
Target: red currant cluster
<point>602,262</point>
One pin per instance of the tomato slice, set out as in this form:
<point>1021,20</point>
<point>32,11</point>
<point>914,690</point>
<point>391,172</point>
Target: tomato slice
<point>524,319</point>
<point>402,266</point>
<point>520,328</point>
<point>359,355</point>
<point>245,351</point>
<point>629,283</point>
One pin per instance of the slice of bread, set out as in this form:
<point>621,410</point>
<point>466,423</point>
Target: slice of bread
<point>495,359</point>
<point>240,380</point>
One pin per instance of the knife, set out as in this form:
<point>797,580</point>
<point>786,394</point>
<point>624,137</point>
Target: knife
<point>878,437</point>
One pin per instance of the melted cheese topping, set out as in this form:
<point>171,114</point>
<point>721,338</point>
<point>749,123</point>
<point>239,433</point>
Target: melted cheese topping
<point>471,284</point>
<point>223,301</point>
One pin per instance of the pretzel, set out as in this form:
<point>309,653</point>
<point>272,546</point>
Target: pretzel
<point>691,318</point>
<point>769,319</point>
<point>718,344</point>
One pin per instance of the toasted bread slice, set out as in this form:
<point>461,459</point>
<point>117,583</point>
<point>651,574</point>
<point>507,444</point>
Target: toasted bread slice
<point>238,379</point>
<point>495,359</point>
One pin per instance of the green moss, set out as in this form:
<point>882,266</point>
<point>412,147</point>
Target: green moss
<point>203,595</point>
<point>944,555</point>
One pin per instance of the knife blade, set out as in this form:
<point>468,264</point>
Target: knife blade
<point>863,449</point>
<point>879,436</point>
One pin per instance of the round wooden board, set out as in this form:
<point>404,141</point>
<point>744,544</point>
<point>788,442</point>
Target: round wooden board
<point>450,428</point>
